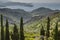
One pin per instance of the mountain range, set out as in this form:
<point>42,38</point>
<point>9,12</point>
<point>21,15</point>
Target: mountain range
<point>14,15</point>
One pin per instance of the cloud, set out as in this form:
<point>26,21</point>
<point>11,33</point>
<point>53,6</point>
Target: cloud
<point>4,0</point>
<point>35,1</point>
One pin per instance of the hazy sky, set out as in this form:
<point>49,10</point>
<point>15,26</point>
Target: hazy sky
<point>34,1</point>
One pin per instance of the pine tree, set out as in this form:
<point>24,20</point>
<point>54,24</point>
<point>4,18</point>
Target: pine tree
<point>48,27</point>
<point>15,35</point>
<point>7,31</point>
<point>42,33</point>
<point>2,28</point>
<point>56,32</point>
<point>21,29</point>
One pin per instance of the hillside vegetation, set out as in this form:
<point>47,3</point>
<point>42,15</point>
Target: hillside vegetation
<point>40,24</point>
<point>32,29</point>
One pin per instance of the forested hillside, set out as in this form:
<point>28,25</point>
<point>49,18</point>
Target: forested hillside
<point>48,27</point>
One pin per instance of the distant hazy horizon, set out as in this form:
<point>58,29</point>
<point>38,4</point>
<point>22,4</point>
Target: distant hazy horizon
<point>36,5</point>
<point>52,4</point>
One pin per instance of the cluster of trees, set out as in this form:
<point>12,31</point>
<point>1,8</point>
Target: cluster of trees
<point>20,36</point>
<point>56,35</point>
<point>15,34</point>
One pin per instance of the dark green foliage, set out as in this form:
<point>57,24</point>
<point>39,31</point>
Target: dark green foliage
<point>15,35</point>
<point>42,32</point>
<point>58,35</point>
<point>21,29</point>
<point>48,27</point>
<point>7,31</point>
<point>56,32</point>
<point>2,28</point>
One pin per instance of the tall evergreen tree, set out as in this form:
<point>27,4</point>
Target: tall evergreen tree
<point>21,29</point>
<point>15,35</point>
<point>56,32</point>
<point>7,31</point>
<point>2,28</point>
<point>48,27</point>
<point>42,33</point>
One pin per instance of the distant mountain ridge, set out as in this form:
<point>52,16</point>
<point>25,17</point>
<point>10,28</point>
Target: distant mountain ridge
<point>14,14</point>
<point>29,6</point>
<point>43,11</point>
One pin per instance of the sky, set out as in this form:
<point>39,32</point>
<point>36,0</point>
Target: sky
<point>33,1</point>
